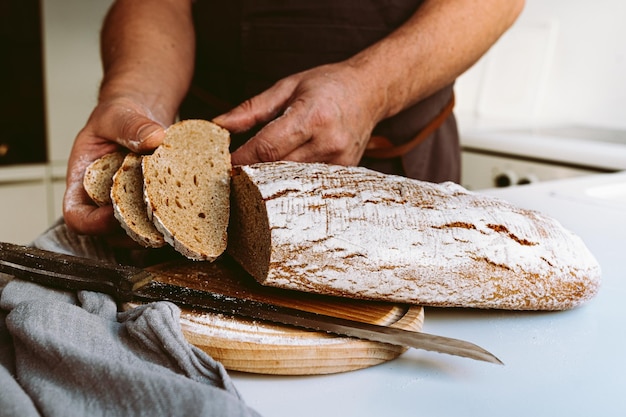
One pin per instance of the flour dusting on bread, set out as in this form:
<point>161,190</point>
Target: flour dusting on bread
<point>354,232</point>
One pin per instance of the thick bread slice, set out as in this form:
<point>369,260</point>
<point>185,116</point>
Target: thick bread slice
<point>354,232</point>
<point>187,187</point>
<point>98,177</point>
<point>129,206</point>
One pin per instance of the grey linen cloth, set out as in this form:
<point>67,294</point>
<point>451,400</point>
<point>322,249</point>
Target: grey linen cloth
<point>73,354</point>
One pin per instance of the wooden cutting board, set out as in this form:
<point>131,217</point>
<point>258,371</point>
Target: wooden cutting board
<point>267,348</point>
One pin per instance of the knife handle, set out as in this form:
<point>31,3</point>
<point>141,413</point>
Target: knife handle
<point>68,272</point>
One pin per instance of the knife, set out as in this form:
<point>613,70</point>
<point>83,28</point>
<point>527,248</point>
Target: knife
<point>128,283</point>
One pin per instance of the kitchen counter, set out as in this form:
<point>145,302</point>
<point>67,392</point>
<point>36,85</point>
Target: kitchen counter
<point>585,147</point>
<point>570,363</point>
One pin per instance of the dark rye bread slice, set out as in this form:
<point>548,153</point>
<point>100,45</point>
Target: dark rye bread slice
<point>187,188</point>
<point>129,206</point>
<point>98,177</point>
<point>353,232</point>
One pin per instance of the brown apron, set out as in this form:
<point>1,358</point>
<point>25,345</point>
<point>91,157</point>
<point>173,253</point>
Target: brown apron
<point>245,46</point>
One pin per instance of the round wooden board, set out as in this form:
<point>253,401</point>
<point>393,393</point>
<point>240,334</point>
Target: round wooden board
<point>267,348</point>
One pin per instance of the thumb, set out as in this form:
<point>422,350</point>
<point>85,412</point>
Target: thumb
<point>128,126</point>
<point>140,134</point>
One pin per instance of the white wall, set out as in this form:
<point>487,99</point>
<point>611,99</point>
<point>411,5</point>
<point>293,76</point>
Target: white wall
<point>563,62</point>
<point>72,68</point>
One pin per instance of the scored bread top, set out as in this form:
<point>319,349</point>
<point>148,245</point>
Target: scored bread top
<point>98,177</point>
<point>129,206</point>
<point>187,188</point>
<point>353,232</point>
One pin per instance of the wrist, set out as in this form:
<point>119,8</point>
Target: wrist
<point>383,81</point>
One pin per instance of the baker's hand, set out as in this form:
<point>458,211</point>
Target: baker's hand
<point>325,114</point>
<point>117,124</point>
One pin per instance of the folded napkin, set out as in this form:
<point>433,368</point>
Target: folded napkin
<point>67,354</point>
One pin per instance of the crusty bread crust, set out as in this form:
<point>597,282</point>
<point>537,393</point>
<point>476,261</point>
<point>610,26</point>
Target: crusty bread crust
<point>187,188</point>
<point>129,206</point>
<point>98,177</point>
<point>354,232</point>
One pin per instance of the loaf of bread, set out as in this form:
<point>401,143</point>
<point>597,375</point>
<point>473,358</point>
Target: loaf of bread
<point>98,177</point>
<point>187,188</point>
<point>129,206</point>
<point>353,232</point>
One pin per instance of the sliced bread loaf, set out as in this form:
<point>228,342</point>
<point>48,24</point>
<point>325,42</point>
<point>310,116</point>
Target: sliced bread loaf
<point>129,206</point>
<point>187,188</point>
<point>354,232</point>
<point>98,177</point>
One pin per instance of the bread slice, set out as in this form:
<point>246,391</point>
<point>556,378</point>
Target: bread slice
<point>129,206</point>
<point>98,177</point>
<point>357,233</point>
<point>187,187</point>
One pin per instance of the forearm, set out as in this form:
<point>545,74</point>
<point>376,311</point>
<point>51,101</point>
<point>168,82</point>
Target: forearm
<point>147,50</point>
<point>437,44</point>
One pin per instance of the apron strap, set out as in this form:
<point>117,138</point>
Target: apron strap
<point>379,147</point>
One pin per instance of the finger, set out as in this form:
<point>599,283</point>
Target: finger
<point>83,217</point>
<point>133,130</point>
<point>328,148</point>
<point>79,211</point>
<point>100,221</point>
<point>257,110</point>
<point>89,219</point>
<point>277,139</point>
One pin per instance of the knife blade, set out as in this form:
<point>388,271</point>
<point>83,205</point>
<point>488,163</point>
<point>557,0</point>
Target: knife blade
<point>128,283</point>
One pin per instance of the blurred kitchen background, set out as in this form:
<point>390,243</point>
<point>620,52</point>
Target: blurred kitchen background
<point>546,102</point>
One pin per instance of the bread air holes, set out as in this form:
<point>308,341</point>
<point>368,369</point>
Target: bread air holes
<point>202,215</point>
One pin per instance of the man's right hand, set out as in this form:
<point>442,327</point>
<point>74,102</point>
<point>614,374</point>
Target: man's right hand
<point>113,125</point>
<point>146,73</point>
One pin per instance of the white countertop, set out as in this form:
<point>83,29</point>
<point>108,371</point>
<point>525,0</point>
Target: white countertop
<point>573,145</point>
<point>570,363</point>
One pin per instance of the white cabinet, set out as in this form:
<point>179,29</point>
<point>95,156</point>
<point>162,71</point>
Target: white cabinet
<point>23,212</point>
<point>55,210</point>
<point>30,201</point>
<point>56,178</point>
<point>481,170</point>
